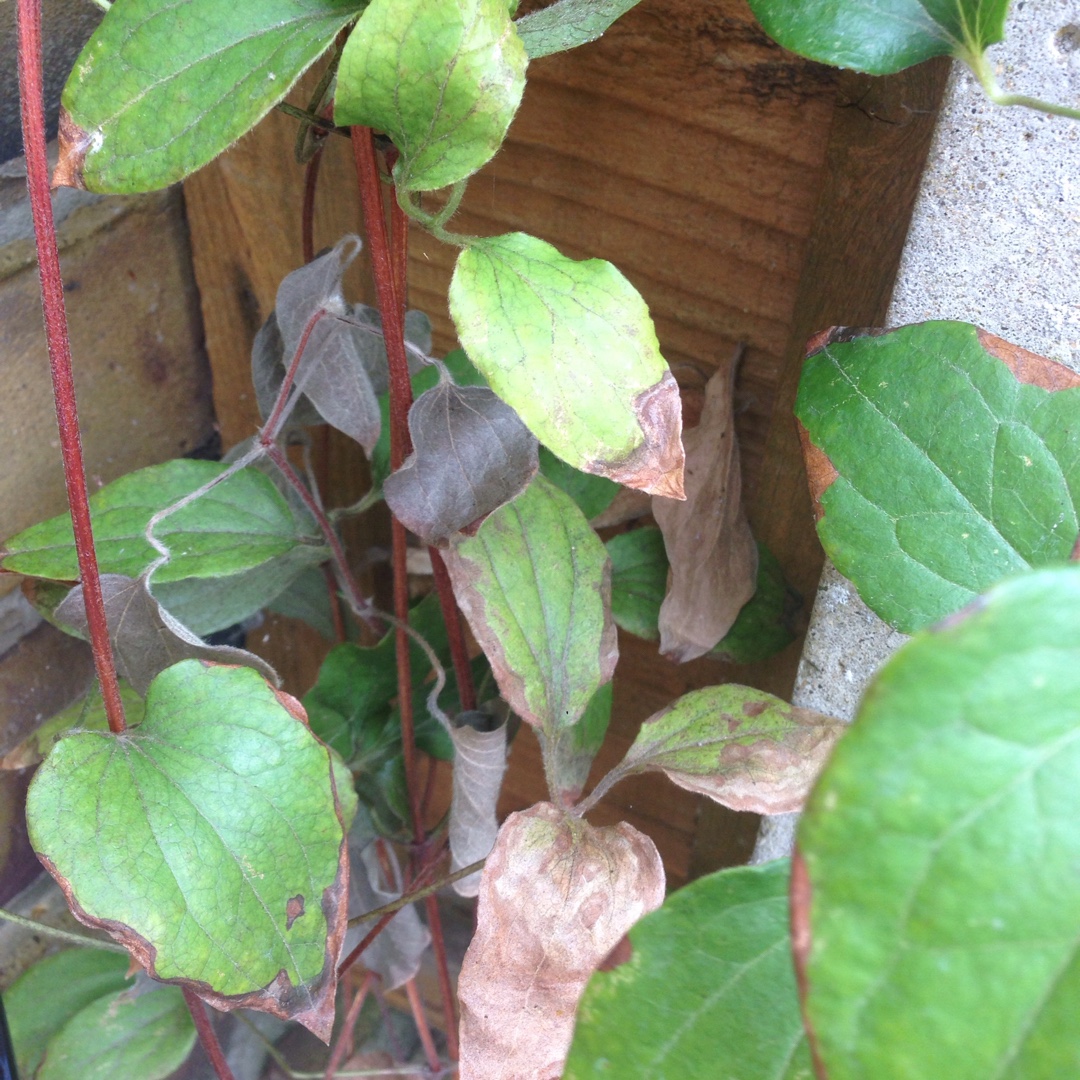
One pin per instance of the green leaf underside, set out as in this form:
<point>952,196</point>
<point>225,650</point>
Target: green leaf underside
<point>197,828</point>
<point>235,547</point>
<point>443,80</point>
<point>569,345</point>
<point>708,991</point>
<point>592,493</point>
<point>533,583</point>
<point>48,994</point>
<point>146,1036</point>
<point>568,24</point>
<point>882,36</point>
<point>941,847</point>
<point>163,89</point>
<point>952,473</point>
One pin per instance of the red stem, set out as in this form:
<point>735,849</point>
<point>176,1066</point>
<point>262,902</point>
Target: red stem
<point>307,216</point>
<point>446,987</point>
<point>207,1036</point>
<point>335,604</point>
<point>459,652</point>
<point>56,335</point>
<point>344,1039</point>
<point>269,431</point>
<point>393,322</point>
<point>423,1028</point>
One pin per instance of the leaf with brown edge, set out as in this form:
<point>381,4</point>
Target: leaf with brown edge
<point>941,459</point>
<point>194,838</point>
<point>556,896</point>
<point>535,586</point>
<point>146,639</point>
<point>479,764</point>
<point>742,747</point>
<point>471,455</point>
<point>709,545</point>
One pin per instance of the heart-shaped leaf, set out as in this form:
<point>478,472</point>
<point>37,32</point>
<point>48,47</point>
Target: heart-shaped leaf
<point>231,550</point>
<point>709,981</point>
<point>740,746</point>
<point>443,80</point>
<point>568,24</point>
<point>535,585</point>
<point>882,36</point>
<point>479,765</point>
<point>710,548</point>
<point>471,455</point>
<point>571,347</point>
<point>556,896</point>
<point>208,841</point>
<point>146,639</point>
<point>941,459</point>
<point>161,89</point>
<point>936,915</point>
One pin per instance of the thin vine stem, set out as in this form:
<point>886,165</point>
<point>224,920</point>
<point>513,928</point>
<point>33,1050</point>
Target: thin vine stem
<point>307,212</point>
<point>983,70</point>
<point>423,1028</point>
<point>459,653</point>
<point>417,894</point>
<point>207,1035</point>
<point>61,935</point>
<point>343,1043</point>
<point>56,334</point>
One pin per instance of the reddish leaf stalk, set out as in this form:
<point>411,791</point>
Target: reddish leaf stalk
<point>344,1040</point>
<point>459,653</point>
<point>393,322</point>
<point>56,335</point>
<point>446,987</point>
<point>270,430</point>
<point>423,1028</point>
<point>307,215</point>
<point>207,1036</point>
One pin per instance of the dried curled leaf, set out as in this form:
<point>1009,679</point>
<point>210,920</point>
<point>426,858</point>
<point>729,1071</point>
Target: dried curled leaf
<point>472,454</point>
<point>710,548</point>
<point>556,896</point>
<point>479,765</point>
<point>146,638</point>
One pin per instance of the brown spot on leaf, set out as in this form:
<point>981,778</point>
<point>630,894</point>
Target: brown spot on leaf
<point>657,465</point>
<point>820,471</point>
<point>74,142</point>
<point>754,708</point>
<point>1029,367</point>
<point>294,908</point>
<point>291,706</point>
<point>800,892</point>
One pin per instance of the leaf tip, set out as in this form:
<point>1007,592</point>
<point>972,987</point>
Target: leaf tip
<point>74,143</point>
<point>1028,367</point>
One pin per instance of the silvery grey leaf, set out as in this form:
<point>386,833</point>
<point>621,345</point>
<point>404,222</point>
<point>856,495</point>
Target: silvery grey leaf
<point>146,638</point>
<point>471,454</point>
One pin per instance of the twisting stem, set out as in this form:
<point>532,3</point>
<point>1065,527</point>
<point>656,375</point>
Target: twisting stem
<point>391,310</point>
<point>56,334</point>
<point>207,1036</point>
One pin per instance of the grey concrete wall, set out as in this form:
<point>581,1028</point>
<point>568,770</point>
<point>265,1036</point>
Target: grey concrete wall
<point>995,240</point>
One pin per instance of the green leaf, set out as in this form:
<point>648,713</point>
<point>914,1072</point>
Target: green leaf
<point>208,841</point>
<point>534,583</point>
<point>568,24</point>
<point>48,994</point>
<point>766,623</point>
<point>160,90</point>
<point>147,1034</point>
<point>592,493</point>
<point>940,463</point>
<point>571,347</point>
<point>236,546</point>
<point>882,36</point>
<point>87,714</point>
<point>740,746</point>
<point>443,79</point>
<point>639,574</point>
<point>940,903</point>
<point>707,991</point>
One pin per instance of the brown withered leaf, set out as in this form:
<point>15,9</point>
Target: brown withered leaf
<point>479,764</point>
<point>556,896</point>
<point>472,454</point>
<point>709,545</point>
<point>146,639</point>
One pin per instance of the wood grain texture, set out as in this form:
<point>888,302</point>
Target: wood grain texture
<point>692,152</point>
